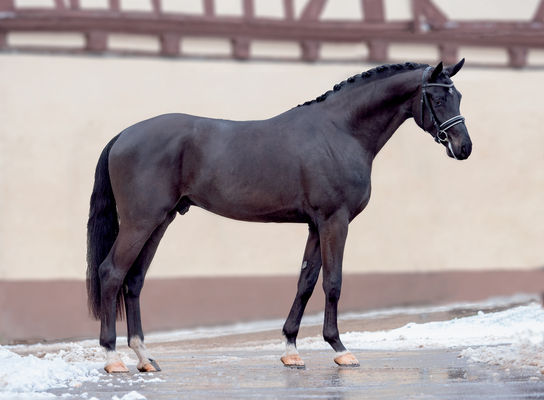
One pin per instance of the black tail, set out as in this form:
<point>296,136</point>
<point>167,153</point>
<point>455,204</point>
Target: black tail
<point>102,230</point>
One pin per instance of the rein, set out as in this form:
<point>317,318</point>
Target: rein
<point>441,130</point>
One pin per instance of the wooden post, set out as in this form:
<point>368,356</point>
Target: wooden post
<point>425,12</point>
<point>289,10</point>
<point>373,10</point>
<point>115,5</point>
<point>241,48</point>
<point>3,40</point>
<point>539,14</point>
<point>209,8</point>
<point>377,50</point>
<point>313,10</point>
<point>157,6</point>
<point>96,41</point>
<point>170,44</point>
<point>249,10</point>
<point>448,53</point>
<point>59,5</point>
<point>517,56</point>
<point>310,50</point>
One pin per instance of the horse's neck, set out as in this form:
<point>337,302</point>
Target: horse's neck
<point>382,108</point>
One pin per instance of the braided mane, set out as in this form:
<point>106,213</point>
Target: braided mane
<point>371,74</point>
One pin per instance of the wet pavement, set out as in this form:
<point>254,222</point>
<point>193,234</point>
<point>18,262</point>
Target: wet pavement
<point>421,374</point>
<point>238,367</point>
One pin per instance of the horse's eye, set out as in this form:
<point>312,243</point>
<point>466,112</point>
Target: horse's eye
<point>438,102</point>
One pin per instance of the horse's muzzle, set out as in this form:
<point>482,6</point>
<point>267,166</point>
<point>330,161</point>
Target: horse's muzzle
<point>460,152</point>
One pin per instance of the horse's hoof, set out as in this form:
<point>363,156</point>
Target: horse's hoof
<point>152,366</point>
<point>116,367</point>
<point>293,361</point>
<point>346,360</point>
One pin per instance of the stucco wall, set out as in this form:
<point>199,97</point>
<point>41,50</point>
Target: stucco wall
<point>427,212</point>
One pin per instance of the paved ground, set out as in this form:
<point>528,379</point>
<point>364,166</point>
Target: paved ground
<point>220,368</point>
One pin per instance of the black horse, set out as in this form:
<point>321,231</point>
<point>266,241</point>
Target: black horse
<point>309,165</point>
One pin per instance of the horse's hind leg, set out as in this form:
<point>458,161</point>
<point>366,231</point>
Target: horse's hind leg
<point>112,273</point>
<point>132,286</point>
<point>311,265</point>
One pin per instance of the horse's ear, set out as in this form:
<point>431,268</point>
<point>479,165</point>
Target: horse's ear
<point>453,69</point>
<point>436,72</point>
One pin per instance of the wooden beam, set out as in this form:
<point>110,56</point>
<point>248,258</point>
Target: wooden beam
<point>156,6</point>
<point>7,5</point>
<point>425,14</point>
<point>249,9</point>
<point>209,8</point>
<point>59,5</point>
<point>373,10</point>
<point>313,10</point>
<point>539,14</point>
<point>115,5</point>
<point>289,10</point>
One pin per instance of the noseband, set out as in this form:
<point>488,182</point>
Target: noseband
<point>441,129</point>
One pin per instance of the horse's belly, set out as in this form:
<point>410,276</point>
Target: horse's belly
<point>257,207</point>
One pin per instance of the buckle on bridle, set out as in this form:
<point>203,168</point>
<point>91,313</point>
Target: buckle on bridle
<point>441,136</point>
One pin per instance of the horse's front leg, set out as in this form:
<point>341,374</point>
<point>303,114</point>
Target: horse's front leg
<point>311,266</point>
<point>333,234</point>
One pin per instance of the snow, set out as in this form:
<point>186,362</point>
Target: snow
<point>512,338</point>
<point>130,396</point>
<point>62,365</point>
<point>523,324</point>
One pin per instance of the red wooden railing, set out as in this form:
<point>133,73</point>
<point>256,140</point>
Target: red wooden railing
<point>429,25</point>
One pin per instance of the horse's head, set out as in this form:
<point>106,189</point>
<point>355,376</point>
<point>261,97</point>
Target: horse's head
<point>440,115</point>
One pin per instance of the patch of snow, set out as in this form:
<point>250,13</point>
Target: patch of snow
<point>62,365</point>
<point>32,374</point>
<point>316,319</point>
<point>130,396</point>
<point>504,327</point>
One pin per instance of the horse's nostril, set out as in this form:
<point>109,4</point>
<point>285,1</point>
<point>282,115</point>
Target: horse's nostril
<point>463,152</point>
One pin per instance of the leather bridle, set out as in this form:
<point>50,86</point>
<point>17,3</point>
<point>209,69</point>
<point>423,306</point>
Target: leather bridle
<point>441,129</point>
